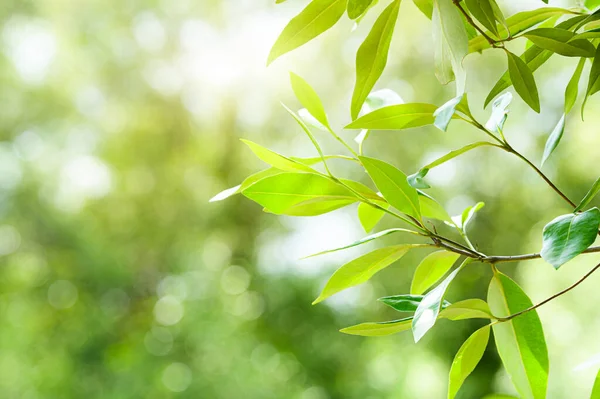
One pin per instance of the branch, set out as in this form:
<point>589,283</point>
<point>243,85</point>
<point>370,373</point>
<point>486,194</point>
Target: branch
<point>581,280</point>
<point>491,41</point>
<point>517,258</point>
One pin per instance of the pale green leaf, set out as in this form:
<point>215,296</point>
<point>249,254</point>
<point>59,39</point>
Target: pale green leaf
<point>499,113</point>
<point>356,8</point>
<point>276,160</point>
<point>432,209</point>
<point>451,44</point>
<point>309,98</point>
<point>369,216</point>
<point>596,388</point>
<point>425,6</point>
<point>431,269</point>
<point>443,115</point>
<point>417,180</point>
<point>554,138</point>
<point>396,117</point>
<point>467,358</point>
<point>467,309</point>
<point>379,329</point>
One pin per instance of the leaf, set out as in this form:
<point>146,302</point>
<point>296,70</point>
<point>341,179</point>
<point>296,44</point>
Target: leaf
<point>425,6</point>
<point>276,160</point>
<point>356,8</point>
<point>379,99</point>
<point>431,269</point>
<point>396,117</point>
<point>369,216</point>
<point>590,34</point>
<point>594,79</point>
<point>314,207</point>
<point>362,269</point>
<point>596,388</point>
<point>467,309</point>
<point>430,208</point>
<point>484,13</point>
<point>371,56</point>
<point>451,44</point>
<point>522,78</point>
<point>309,98</point>
<point>554,138</point>
<point>455,153</point>
<point>559,41</point>
<point>520,341</point>
<point>316,18</point>
<point>589,196</point>
<point>467,215</point>
<point>467,358</point>
<point>429,308</point>
<point>569,235</point>
<point>499,113</point>
<point>364,240</point>
<point>416,179</point>
<point>443,115</point>
<point>310,120</point>
<point>573,87</point>
<point>279,192</point>
<point>226,193</point>
<point>246,183</point>
<point>393,186</point>
<point>406,303</point>
<point>379,329</point>
<point>518,23</point>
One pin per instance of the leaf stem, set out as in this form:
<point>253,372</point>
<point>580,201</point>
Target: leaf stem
<point>491,41</point>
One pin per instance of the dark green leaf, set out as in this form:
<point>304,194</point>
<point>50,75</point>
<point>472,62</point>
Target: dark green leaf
<point>594,79</point>
<point>360,270</point>
<point>520,341</point>
<point>431,269</point>
<point>467,358</point>
<point>554,138</point>
<point>396,117</point>
<point>522,78</point>
<point>371,56</point>
<point>309,98</point>
<point>589,196</point>
<point>316,18</point>
<point>356,8</point>
<point>484,13</point>
<point>406,303</point>
<point>569,235</point>
<point>559,41</point>
<point>393,185</point>
<point>573,87</point>
<point>379,329</point>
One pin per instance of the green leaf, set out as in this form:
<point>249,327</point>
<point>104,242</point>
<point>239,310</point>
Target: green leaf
<point>463,220</point>
<point>431,269</point>
<point>364,240</point>
<point>589,196</point>
<point>316,18</point>
<point>430,208</point>
<point>499,396</point>
<point>396,117</point>
<point>451,44</point>
<point>314,207</point>
<point>590,34</point>
<point>559,41</point>
<point>379,99</point>
<point>596,388</point>
<point>431,305</point>
<point>484,13</point>
<point>356,8</point>
<point>443,115</point>
<point>467,358</point>
<point>360,270</point>
<point>520,341</point>
<point>554,138</point>
<point>371,56</point>
<point>467,309</point>
<point>309,98</point>
<point>276,160</point>
<point>569,235</point>
<point>518,23</point>
<point>246,183</point>
<point>499,113</point>
<point>279,192</point>
<point>416,179</point>
<point>522,78</point>
<point>573,87</point>
<point>393,185</point>
<point>425,6</point>
<point>369,216</point>
<point>379,329</point>
<point>454,153</point>
<point>594,79</point>
<point>406,303</point>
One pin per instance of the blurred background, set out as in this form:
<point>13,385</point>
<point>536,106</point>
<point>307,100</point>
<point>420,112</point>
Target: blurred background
<point>119,120</point>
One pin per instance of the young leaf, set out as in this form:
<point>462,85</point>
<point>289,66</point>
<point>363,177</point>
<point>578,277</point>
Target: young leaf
<point>369,216</point>
<point>362,269</point>
<point>467,358</point>
<point>314,207</point>
<point>590,34</point>
<point>226,193</point>
<point>431,269</point>
<point>379,329</point>
<point>425,6</point>
<point>467,215</point>
<point>451,44</point>
<point>371,56</point>
<point>416,179</point>
<point>569,235</point>
<point>499,113</point>
<point>454,153</point>
<point>309,98</point>
<point>250,180</point>
<point>520,341</point>
<point>365,240</point>
<point>573,87</point>
<point>430,208</point>
<point>396,117</point>
<point>554,138</point>
<point>443,115</point>
<point>406,303</point>
<point>393,185</point>
<point>589,196</point>
<point>482,11</point>
<point>560,42</point>
<point>594,79</point>
<point>523,80</point>
<point>276,160</point>
<point>467,309</point>
<point>316,18</point>
<point>431,305</point>
<point>279,192</point>
<point>356,8</point>
<point>596,388</point>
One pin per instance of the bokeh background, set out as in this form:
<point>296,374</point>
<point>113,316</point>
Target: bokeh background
<point>119,120</point>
